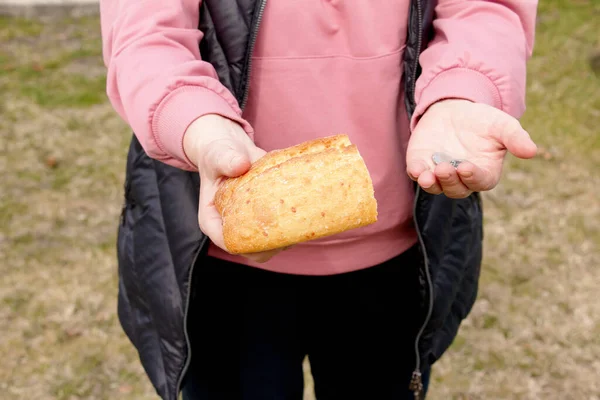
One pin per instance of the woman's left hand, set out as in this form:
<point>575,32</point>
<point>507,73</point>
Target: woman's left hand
<point>478,134</point>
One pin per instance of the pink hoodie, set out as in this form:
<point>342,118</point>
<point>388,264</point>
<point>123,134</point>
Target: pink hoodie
<point>320,67</point>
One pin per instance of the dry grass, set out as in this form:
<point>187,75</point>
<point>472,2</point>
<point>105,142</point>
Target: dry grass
<point>534,333</point>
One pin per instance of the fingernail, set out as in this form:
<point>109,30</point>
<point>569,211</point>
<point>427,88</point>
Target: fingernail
<point>467,174</point>
<point>444,176</point>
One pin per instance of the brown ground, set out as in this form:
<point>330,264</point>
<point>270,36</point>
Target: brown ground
<point>533,334</point>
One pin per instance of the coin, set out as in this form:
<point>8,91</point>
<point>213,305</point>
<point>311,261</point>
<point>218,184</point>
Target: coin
<point>439,158</point>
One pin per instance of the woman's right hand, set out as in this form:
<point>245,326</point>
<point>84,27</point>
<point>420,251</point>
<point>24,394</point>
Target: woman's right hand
<point>220,148</point>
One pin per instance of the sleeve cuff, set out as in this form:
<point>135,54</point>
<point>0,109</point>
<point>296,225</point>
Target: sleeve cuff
<point>457,83</point>
<point>183,106</point>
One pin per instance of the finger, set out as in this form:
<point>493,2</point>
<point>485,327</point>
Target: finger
<point>212,226</point>
<point>416,167</point>
<point>429,183</point>
<point>209,218</point>
<point>266,255</point>
<point>262,257</point>
<point>516,140</point>
<point>451,184</point>
<point>475,178</point>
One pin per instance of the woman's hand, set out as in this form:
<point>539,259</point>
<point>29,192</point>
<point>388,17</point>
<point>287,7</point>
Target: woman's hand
<point>477,134</point>
<point>220,148</point>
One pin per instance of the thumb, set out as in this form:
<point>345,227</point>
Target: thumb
<point>517,141</point>
<point>256,153</point>
<point>226,160</point>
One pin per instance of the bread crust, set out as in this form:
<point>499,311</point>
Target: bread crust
<point>314,189</point>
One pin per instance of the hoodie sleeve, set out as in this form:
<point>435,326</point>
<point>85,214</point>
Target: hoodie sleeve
<point>479,53</point>
<point>157,81</point>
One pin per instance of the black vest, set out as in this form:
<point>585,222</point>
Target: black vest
<point>160,244</point>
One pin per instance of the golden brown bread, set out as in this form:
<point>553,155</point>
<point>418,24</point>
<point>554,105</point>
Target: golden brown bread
<point>315,189</point>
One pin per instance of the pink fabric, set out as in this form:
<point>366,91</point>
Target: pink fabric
<point>479,53</point>
<point>320,67</point>
<point>156,79</point>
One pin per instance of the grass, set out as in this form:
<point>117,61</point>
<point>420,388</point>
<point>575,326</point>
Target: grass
<point>533,334</point>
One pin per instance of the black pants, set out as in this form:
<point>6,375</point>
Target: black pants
<point>251,329</point>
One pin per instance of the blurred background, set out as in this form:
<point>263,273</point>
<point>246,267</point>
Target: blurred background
<point>533,334</point>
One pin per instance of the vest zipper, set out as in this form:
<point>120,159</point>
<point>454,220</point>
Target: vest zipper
<point>261,10</point>
<point>188,359</point>
<point>416,382</point>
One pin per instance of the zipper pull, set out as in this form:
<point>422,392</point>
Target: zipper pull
<point>416,384</point>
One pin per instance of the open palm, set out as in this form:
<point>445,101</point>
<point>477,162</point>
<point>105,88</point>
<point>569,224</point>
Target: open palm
<point>478,134</point>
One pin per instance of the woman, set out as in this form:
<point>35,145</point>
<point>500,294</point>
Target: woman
<point>209,86</point>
